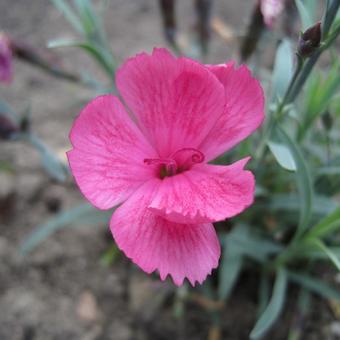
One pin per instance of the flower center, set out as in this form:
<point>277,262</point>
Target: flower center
<point>181,160</point>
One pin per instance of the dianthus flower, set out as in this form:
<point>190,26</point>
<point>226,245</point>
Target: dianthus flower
<point>270,10</point>
<point>152,158</point>
<point>5,59</point>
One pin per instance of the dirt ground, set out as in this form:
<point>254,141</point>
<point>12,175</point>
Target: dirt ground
<point>61,290</point>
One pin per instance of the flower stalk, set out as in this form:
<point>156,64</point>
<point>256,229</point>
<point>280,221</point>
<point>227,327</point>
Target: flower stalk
<point>303,69</point>
<point>326,42</point>
<point>29,55</point>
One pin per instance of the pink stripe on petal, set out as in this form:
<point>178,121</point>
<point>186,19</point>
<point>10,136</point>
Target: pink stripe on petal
<point>153,243</point>
<point>243,113</point>
<point>206,193</point>
<point>107,159</point>
<point>176,101</point>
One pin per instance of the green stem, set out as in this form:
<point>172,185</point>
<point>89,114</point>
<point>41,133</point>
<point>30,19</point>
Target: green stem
<point>261,151</point>
<point>284,257</point>
<point>300,76</point>
<point>329,18</point>
<point>277,114</point>
<point>304,75</point>
<point>332,37</point>
<point>29,55</point>
<point>286,98</point>
<point>330,15</point>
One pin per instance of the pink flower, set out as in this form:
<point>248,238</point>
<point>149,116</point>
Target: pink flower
<point>5,59</point>
<point>153,161</point>
<point>271,9</point>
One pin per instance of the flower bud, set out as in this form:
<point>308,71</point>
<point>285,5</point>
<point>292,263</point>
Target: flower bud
<point>309,41</point>
<point>7,128</point>
<point>5,59</point>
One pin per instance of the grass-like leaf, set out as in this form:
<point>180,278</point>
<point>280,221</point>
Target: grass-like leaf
<point>49,160</point>
<point>334,259</point>
<point>306,19</point>
<point>230,269</point>
<point>69,14</point>
<point>283,69</point>
<point>80,215</point>
<point>95,51</point>
<point>283,155</point>
<point>276,303</point>
<point>303,179</point>
<point>314,285</point>
<point>329,224</point>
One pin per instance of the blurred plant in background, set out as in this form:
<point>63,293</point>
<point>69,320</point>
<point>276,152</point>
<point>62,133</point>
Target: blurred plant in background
<point>294,225</point>
<point>5,59</point>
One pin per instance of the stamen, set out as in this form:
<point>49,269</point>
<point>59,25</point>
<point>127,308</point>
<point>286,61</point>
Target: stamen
<point>169,165</point>
<point>178,162</point>
<point>187,157</point>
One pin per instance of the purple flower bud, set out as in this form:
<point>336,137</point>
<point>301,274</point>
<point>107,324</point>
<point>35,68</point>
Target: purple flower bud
<point>7,128</point>
<point>309,41</point>
<point>5,59</point>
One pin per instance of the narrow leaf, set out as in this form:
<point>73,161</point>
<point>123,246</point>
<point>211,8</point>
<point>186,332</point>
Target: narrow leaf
<point>283,69</point>
<point>329,224</point>
<point>306,19</point>
<point>250,244</point>
<point>91,22</point>
<point>274,307</point>
<point>100,55</point>
<point>283,155</point>
<point>328,252</point>
<point>53,166</point>
<point>317,254</point>
<point>329,170</point>
<point>263,293</point>
<point>314,285</point>
<point>230,269</point>
<point>82,214</point>
<point>86,14</point>
<point>321,206</point>
<point>46,229</point>
<point>7,110</point>
<point>311,8</point>
<point>69,14</point>
<point>50,162</point>
<point>303,179</point>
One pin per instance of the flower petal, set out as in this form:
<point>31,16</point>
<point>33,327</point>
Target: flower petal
<point>108,153</point>
<point>176,101</point>
<point>179,250</point>
<point>206,193</point>
<point>243,113</point>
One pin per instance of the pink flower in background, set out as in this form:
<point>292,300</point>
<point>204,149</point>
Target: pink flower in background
<point>271,9</point>
<point>5,59</point>
<point>154,162</point>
